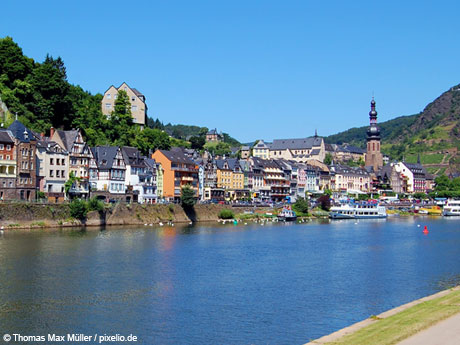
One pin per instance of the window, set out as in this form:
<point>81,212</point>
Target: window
<point>62,161</point>
<point>133,99</point>
<point>58,173</point>
<point>8,147</point>
<point>1,156</point>
<point>51,161</point>
<point>2,147</point>
<point>51,173</point>
<point>63,173</point>
<point>134,108</point>
<point>109,96</point>
<point>108,106</point>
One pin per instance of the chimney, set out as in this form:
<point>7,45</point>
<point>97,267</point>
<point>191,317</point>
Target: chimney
<point>51,132</point>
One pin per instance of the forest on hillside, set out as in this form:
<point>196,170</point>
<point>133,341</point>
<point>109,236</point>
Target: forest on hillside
<point>41,96</point>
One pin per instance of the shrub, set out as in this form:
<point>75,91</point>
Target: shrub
<point>324,202</point>
<point>171,208</point>
<point>187,196</point>
<point>78,209</point>
<point>95,205</point>
<point>300,206</point>
<point>226,214</point>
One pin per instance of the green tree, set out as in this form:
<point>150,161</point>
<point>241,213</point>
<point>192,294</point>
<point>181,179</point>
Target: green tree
<point>328,159</point>
<point>419,195</point>
<point>455,184</point>
<point>150,139</point>
<point>301,206</point>
<point>187,197</point>
<point>120,124</point>
<point>95,205</point>
<point>442,183</point>
<point>78,209</point>
<point>13,64</point>
<point>197,142</point>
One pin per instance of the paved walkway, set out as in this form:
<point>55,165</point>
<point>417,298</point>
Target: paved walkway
<point>446,332</point>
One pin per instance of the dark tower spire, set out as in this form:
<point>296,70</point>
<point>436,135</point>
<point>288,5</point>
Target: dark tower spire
<point>374,157</point>
<point>373,132</point>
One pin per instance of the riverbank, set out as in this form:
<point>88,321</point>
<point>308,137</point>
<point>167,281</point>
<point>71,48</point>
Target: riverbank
<point>27,215</point>
<point>395,325</point>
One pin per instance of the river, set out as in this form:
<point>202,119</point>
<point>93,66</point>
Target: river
<point>214,284</point>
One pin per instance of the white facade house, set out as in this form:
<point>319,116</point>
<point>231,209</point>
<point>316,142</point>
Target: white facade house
<point>110,170</point>
<point>52,169</point>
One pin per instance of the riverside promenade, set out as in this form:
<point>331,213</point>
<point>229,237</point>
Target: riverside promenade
<point>432,320</point>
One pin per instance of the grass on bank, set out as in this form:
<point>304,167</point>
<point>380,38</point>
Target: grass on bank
<point>398,327</point>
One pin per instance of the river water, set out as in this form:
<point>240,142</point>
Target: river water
<point>212,284</point>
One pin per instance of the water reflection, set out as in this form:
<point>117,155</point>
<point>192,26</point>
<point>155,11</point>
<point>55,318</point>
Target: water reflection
<point>214,283</point>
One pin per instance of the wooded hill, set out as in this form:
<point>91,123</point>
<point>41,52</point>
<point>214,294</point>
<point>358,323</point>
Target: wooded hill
<point>42,97</point>
<point>434,134</point>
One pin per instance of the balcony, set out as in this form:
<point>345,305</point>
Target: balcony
<point>188,169</point>
<point>187,178</point>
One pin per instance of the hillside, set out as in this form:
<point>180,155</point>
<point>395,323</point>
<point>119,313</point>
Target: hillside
<point>390,131</point>
<point>434,134</point>
<point>41,96</point>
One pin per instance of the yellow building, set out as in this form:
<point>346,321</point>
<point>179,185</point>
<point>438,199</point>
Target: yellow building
<point>230,177</point>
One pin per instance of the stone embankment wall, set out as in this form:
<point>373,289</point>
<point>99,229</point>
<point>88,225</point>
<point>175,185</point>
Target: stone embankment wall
<point>26,215</point>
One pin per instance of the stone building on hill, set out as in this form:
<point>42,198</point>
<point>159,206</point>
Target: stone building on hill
<point>137,100</point>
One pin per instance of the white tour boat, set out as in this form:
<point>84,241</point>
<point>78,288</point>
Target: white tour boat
<point>357,211</point>
<point>452,208</point>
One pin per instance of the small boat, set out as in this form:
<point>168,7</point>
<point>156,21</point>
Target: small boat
<point>452,208</point>
<point>287,214</point>
<point>353,210</point>
<point>431,210</point>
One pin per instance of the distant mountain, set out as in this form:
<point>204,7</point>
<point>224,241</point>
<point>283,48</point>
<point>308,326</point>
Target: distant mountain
<point>433,134</point>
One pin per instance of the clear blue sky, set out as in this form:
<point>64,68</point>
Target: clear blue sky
<point>254,69</point>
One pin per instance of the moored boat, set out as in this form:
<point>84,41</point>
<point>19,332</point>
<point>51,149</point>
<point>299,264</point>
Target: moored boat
<point>431,210</point>
<point>287,214</point>
<point>357,211</point>
<point>452,208</point>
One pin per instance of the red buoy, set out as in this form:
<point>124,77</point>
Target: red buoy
<point>425,230</point>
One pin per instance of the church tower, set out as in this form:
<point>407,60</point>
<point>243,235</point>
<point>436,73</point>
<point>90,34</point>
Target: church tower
<point>373,156</point>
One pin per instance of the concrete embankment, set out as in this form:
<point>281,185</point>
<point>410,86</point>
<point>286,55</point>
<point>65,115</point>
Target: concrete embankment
<point>27,215</point>
<point>402,323</point>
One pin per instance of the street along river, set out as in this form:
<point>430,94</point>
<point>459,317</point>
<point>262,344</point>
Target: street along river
<point>214,284</point>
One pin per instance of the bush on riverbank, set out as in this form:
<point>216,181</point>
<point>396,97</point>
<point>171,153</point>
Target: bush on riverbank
<point>78,209</point>
<point>226,214</point>
<point>301,207</point>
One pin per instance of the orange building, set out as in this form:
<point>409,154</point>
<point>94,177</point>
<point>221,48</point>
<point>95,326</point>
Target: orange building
<point>178,171</point>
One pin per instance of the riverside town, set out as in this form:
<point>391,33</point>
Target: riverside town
<point>59,166</point>
<point>243,172</point>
